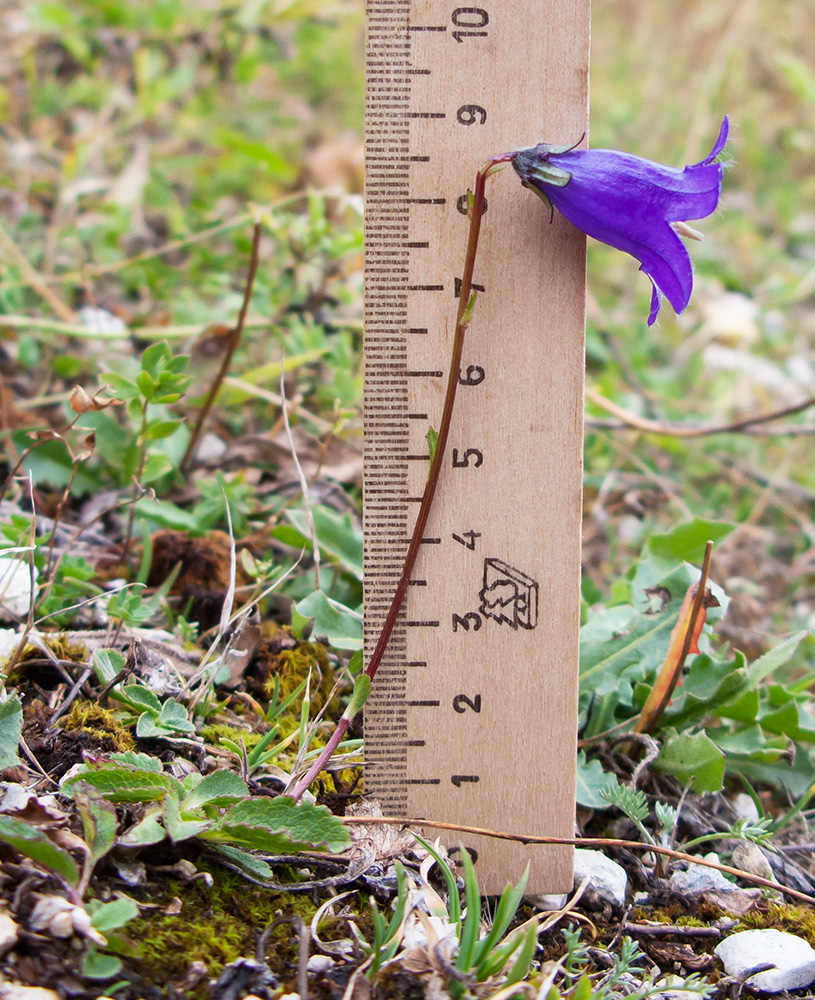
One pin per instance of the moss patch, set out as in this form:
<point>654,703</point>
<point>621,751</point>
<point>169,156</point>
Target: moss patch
<point>216,926</point>
<point>99,726</point>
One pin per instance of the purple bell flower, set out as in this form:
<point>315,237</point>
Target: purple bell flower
<point>633,204</point>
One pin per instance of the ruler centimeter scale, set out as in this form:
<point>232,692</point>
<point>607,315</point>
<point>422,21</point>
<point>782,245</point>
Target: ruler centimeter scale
<point>472,715</point>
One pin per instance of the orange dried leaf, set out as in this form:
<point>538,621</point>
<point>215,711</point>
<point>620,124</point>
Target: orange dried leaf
<point>670,672</point>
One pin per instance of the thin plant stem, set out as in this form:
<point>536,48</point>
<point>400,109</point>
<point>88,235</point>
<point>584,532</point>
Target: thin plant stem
<point>234,340</point>
<point>462,321</point>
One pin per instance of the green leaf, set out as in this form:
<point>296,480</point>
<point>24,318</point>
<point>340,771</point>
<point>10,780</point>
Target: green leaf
<point>138,697</point>
<point>638,650</point>
<point>174,716</point>
<point>339,538</point>
<point>120,784</point>
<point>362,688</point>
<point>107,664</point>
<point>592,780</point>
<point>249,863</point>
<point>141,761</point>
<point>158,429</point>
<point>149,830</point>
<point>340,625</point>
<point>279,826</point>
<point>432,438</point>
<point>220,788</point>
<point>155,357</point>
<point>686,542</point>
<point>98,823</point>
<point>98,965</point>
<point>113,915</point>
<point>177,828</point>
<point>123,388</point>
<point>34,844</point>
<point>693,758</point>
<point>11,728</point>
<point>777,656</point>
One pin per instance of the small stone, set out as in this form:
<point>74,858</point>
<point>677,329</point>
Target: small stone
<point>698,878</point>
<point>793,958</point>
<point>745,807</point>
<point>320,964</point>
<point>16,991</point>
<point>549,902</point>
<point>607,879</point>
<point>751,859</point>
<point>8,932</point>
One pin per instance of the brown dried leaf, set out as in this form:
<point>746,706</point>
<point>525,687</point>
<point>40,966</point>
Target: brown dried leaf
<point>81,401</point>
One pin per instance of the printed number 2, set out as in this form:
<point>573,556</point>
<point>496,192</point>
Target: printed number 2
<point>461,703</point>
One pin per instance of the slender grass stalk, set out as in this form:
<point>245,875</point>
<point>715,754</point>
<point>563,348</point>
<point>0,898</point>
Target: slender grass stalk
<point>465,307</point>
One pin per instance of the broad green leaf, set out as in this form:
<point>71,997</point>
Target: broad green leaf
<point>777,656</point>
<point>707,685</point>
<point>149,830</point>
<point>797,777</point>
<point>98,965</point>
<point>98,822</point>
<point>174,716</point>
<point>693,758</point>
<point>339,538</point>
<point>249,863</point>
<point>141,761</point>
<point>638,650</point>
<point>279,826</point>
<point>120,784</point>
<point>177,828</point>
<point>791,720</point>
<point>107,664</point>
<point>138,697</point>
<point>591,781</point>
<point>340,625</point>
<point>34,844</point>
<point>113,915</point>
<point>218,789</point>
<point>11,727</point>
<point>686,542</point>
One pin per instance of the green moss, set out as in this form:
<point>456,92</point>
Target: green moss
<point>798,920</point>
<point>287,668</point>
<point>216,926</point>
<point>99,725</point>
<point>217,732</point>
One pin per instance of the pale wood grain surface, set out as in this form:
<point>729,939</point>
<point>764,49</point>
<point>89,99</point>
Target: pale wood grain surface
<point>529,74</point>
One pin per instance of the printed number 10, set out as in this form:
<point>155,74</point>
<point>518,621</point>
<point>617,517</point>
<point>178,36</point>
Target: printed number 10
<point>468,21</point>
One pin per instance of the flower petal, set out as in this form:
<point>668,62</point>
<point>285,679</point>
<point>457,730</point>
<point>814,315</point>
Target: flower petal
<point>629,203</point>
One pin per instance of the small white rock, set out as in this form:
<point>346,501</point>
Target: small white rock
<point>697,878</point>
<point>793,958</point>
<point>745,808</point>
<point>8,932</point>
<point>608,879</point>
<point>16,991</point>
<point>549,902</point>
<point>320,964</point>
<point>750,858</point>
<point>15,584</point>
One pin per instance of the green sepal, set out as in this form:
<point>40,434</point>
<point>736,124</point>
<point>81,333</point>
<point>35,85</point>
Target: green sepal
<point>432,438</point>
<point>362,688</point>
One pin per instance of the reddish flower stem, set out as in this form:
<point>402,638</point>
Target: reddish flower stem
<point>475,213</point>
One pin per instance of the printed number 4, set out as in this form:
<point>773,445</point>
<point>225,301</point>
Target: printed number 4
<point>472,535</point>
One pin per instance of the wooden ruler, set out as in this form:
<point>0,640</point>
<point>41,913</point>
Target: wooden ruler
<point>473,713</point>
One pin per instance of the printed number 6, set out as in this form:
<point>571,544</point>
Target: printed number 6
<point>468,113</point>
